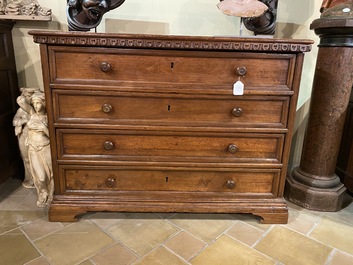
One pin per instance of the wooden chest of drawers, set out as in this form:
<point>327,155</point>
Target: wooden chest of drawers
<point>150,123</point>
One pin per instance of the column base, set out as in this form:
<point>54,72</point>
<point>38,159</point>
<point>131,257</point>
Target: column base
<point>330,199</point>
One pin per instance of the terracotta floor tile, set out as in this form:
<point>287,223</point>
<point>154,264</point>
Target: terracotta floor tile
<point>20,191</point>
<point>12,187</point>
<point>206,227</point>
<point>302,222</point>
<point>336,234</point>
<point>166,215</point>
<point>169,238</point>
<point>105,219</point>
<point>38,261</point>
<point>284,245</point>
<point>253,221</point>
<point>11,202</point>
<point>16,249</point>
<point>340,258</point>
<point>21,199</point>
<point>348,209</point>
<point>30,202</point>
<point>74,243</point>
<point>117,255</point>
<point>13,219</point>
<point>292,206</point>
<point>161,256</point>
<point>227,251</point>
<point>341,216</point>
<point>185,245</point>
<point>245,233</point>
<point>142,232</point>
<point>41,227</point>
<point>87,262</point>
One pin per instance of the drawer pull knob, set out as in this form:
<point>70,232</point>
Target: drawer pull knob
<point>232,148</point>
<point>108,145</point>
<point>107,108</point>
<point>110,182</point>
<point>237,112</point>
<point>230,184</point>
<point>241,71</point>
<point>105,67</point>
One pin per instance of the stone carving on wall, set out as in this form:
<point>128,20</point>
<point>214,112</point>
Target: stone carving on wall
<point>17,9</point>
<point>83,15</point>
<point>31,128</point>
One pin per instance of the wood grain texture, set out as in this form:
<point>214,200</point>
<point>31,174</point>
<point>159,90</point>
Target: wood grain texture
<point>150,124</point>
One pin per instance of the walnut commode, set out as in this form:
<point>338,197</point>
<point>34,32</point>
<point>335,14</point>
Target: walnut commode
<point>148,123</point>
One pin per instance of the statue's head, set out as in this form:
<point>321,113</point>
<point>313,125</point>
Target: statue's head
<point>83,15</point>
<point>38,101</point>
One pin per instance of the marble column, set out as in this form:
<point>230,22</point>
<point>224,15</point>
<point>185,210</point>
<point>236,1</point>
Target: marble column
<point>314,184</point>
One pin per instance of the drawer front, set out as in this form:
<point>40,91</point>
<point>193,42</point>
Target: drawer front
<point>153,146</point>
<point>134,108</point>
<point>87,179</point>
<point>214,69</point>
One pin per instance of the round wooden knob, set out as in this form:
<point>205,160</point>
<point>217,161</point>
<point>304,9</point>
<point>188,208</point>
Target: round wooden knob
<point>232,148</point>
<point>105,67</point>
<point>108,145</point>
<point>237,112</point>
<point>109,182</point>
<point>107,108</point>
<point>241,71</point>
<point>230,184</point>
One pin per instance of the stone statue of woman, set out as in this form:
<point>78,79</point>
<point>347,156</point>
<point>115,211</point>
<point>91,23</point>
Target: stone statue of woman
<point>38,143</point>
<point>21,130</point>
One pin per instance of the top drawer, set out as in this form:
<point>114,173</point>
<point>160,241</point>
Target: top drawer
<point>113,66</point>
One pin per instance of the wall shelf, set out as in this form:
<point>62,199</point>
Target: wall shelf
<point>26,18</point>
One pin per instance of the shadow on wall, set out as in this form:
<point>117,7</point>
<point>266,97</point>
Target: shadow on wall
<point>137,27</point>
<point>288,30</point>
<point>300,124</point>
<point>300,11</point>
<point>26,68</point>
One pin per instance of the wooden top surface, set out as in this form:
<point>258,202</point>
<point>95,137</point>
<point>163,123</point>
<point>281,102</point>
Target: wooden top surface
<point>257,44</point>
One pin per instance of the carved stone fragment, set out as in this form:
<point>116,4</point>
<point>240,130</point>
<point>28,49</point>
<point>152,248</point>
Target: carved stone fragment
<point>13,9</point>
<point>23,8</point>
<point>242,8</point>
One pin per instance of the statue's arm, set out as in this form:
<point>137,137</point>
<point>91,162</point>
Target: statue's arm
<point>21,101</point>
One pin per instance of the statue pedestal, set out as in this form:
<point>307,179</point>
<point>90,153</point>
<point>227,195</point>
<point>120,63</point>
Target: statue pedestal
<point>314,184</point>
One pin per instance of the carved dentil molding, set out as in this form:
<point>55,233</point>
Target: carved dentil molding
<point>253,44</point>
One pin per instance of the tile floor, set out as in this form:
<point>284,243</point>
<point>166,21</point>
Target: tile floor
<point>26,237</point>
